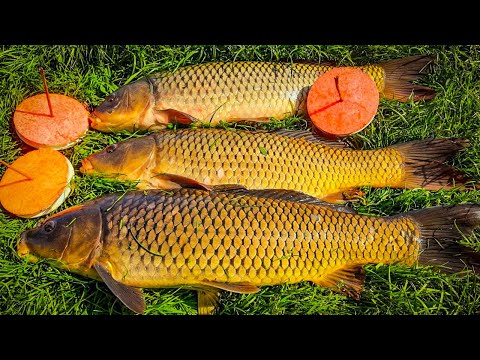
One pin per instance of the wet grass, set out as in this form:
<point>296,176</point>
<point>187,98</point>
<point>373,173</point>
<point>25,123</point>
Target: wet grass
<point>90,73</point>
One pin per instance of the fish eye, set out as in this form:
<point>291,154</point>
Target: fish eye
<point>49,226</point>
<point>111,148</point>
<point>110,98</point>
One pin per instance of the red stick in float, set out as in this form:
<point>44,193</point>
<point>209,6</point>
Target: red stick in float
<point>46,91</point>
<point>14,169</point>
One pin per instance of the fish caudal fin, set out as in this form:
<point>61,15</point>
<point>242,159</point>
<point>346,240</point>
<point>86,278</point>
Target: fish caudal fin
<point>424,163</point>
<point>400,73</point>
<point>441,228</point>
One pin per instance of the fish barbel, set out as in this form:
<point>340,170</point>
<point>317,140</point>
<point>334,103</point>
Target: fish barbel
<point>281,159</point>
<point>238,91</point>
<point>237,240</point>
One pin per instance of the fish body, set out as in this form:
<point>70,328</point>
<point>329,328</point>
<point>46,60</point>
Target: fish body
<point>237,91</point>
<point>237,240</point>
<point>293,160</point>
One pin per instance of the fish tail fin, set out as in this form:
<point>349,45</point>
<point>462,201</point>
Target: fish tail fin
<point>441,227</point>
<point>424,163</point>
<point>400,73</point>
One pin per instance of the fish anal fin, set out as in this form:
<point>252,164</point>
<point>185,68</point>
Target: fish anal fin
<point>347,280</point>
<point>131,297</point>
<point>172,181</point>
<point>208,300</point>
<point>241,288</point>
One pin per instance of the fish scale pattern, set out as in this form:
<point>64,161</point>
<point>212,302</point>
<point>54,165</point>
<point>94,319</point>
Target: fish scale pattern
<point>274,160</point>
<point>212,92</point>
<point>155,239</point>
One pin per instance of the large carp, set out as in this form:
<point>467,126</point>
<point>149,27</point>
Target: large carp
<point>281,159</point>
<point>240,90</point>
<point>234,239</point>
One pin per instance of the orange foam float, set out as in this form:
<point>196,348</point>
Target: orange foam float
<point>342,101</point>
<point>53,121</point>
<point>36,183</point>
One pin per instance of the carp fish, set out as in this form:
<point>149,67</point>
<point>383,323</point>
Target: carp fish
<point>239,91</point>
<point>279,159</point>
<point>238,240</point>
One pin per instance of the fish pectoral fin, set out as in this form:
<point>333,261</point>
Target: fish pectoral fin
<point>145,185</point>
<point>347,280</point>
<point>178,117</point>
<point>240,287</point>
<point>131,297</point>
<point>181,181</point>
<point>335,198</point>
<point>353,194</point>
<point>208,300</point>
<point>342,197</point>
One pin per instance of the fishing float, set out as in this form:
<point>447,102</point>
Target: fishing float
<point>50,120</point>
<point>342,101</point>
<point>36,183</point>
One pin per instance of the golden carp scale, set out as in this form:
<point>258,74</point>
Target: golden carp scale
<point>234,239</point>
<point>189,237</point>
<point>234,91</point>
<point>292,160</point>
<point>265,160</point>
<point>243,90</point>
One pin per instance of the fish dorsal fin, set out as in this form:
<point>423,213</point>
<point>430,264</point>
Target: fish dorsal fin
<point>328,63</point>
<point>281,194</point>
<point>347,280</point>
<point>230,188</point>
<point>312,137</point>
<point>208,300</point>
<point>242,288</point>
<point>131,297</point>
<point>309,62</point>
<point>183,181</point>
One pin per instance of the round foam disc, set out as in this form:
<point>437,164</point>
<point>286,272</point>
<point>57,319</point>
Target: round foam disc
<point>342,101</point>
<point>51,173</point>
<point>35,126</point>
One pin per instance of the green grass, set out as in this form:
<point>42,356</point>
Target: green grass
<point>90,73</point>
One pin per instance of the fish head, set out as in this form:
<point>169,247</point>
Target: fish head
<point>124,160</point>
<point>69,239</point>
<point>125,108</point>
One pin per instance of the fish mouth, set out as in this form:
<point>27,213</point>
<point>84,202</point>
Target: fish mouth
<point>94,119</point>
<point>87,167</point>
<point>22,247</point>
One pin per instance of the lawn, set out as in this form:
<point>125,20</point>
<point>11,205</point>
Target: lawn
<point>90,73</point>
